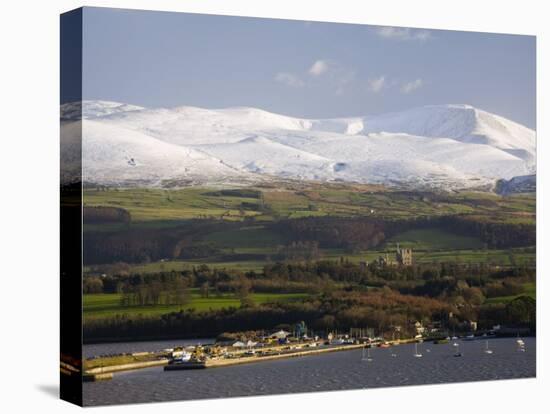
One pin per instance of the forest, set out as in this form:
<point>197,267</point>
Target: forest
<point>340,295</point>
<point>201,261</point>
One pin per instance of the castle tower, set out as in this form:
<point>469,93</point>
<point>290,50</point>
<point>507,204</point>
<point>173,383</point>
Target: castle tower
<point>404,257</point>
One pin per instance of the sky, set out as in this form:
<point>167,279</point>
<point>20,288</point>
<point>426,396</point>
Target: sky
<point>302,69</point>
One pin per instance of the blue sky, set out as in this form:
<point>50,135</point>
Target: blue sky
<point>304,69</point>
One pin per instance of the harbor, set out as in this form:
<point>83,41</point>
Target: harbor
<point>276,346</point>
<point>345,369</point>
<point>208,356</point>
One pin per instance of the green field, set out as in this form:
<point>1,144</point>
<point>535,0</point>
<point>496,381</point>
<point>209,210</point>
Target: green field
<point>235,223</point>
<point>434,239</point>
<point>158,205</point>
<point>495,257</point>
<point>180,265</point>
<point>107,305</point>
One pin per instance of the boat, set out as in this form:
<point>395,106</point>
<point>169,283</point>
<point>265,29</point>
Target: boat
<point>457,353</point>
<point>186,361</point>
<point>416,353</point>
<point>180,365</point>
<point>520,345</point>
<point>366,356</point>
<point>487,350</point>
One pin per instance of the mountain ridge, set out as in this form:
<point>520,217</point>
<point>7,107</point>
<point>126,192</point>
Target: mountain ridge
<point>454,145</point>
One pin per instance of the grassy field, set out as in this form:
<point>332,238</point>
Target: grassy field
<point>158,205</point>
<point>107,305</point>
<point>180,265</point>
<point>432,239</point>
<point>529,289</point>
<point>171,205</point>
<point>494,257</point>
<point>235,222</point>
<point>117,360</point>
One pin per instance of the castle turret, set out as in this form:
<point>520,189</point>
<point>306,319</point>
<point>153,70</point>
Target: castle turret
<point>404,257</point>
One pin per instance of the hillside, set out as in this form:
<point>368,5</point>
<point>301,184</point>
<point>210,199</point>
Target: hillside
<point>445,146</point>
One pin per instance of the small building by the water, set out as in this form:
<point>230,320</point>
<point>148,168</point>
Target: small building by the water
<point>280,334</point>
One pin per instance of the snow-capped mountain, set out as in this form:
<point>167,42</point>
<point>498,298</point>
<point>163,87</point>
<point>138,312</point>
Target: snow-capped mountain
<point>446,146</point>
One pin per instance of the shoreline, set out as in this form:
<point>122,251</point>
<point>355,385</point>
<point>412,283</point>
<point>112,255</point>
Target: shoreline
<point>218,363</point>
<point>160,359</point>
<point>106,373</point>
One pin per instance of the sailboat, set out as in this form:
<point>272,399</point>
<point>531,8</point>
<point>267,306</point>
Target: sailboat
<point>416,354</point>
<point>366,356</point>
<point>521,345</point>
<point>487,350</point>
<point>457,353</point>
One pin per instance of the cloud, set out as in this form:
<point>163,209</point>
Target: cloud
<point>412,86</point>
<point>376,85</point>
<point>323,73</point>
<point>289,79</point>
<point>403,33</point>
<point>319,67</point>
<point>334,74</point>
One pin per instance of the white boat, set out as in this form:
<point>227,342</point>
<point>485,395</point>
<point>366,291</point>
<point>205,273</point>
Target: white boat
<point>487,350</point>
<point>366,355</point>
<point>521,345</point>
<point>416,353</point>
<point>457,354</point>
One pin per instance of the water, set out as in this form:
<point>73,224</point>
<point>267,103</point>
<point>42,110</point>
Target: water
<point>329,372</point>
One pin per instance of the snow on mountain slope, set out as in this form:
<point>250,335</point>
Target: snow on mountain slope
<point>462,164</point>
<point>449,146</point>
<point>261,155</point>
<point>112,155</point>
<point>463,123</point>
<point>189,125</point>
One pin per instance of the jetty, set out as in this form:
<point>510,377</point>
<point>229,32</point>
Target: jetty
<point>217,356</point>
<point>269,355</point>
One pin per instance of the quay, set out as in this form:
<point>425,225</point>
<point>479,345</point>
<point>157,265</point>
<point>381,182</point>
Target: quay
<point>242,359</point>
<point>222,362</point>
<point>105,370</point>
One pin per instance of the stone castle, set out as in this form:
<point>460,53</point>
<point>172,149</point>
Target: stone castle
<point>403,257</point>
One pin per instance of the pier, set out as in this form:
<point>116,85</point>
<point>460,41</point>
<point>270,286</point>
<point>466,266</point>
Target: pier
<point>103,368</point>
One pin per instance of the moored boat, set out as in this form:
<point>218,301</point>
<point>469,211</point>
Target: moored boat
<point>190,364</point>
<point>416,353</point>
